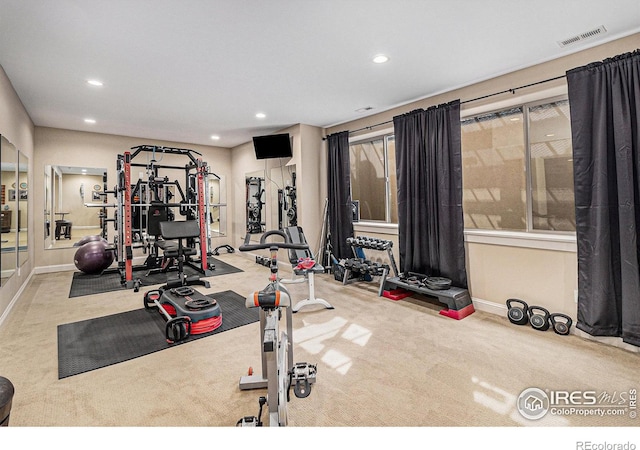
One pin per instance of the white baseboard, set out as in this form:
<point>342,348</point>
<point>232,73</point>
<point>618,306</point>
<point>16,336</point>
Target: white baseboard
<point>72,267</point>
<point>489,307</point>
<point>56,268</point>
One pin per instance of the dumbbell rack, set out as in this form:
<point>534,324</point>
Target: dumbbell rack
<point>358,265</point>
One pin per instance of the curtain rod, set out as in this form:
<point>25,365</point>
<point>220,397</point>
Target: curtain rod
<point>512,90</point>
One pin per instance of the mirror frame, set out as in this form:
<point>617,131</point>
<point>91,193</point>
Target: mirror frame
<point>84,193</point>
<point>23,198</point>
<point>8,254</point>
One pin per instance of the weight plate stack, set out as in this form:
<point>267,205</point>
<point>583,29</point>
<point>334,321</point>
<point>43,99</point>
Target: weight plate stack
<point>437,283</point>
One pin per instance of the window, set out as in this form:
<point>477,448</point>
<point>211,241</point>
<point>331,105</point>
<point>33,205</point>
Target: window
<point>517,169</point>
<point>373,178</point>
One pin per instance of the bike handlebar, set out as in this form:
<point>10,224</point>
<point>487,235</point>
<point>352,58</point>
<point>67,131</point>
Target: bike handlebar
<point>267,245</point>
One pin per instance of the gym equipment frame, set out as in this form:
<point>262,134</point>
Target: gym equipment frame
<point>362,267</point>
<point>279,373</point>
<point>134,200</point>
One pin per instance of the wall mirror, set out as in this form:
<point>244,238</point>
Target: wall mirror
<point>217,206</point>
<point>255,197</point>
<point>8,208</point>
<point>283,197</point>
<point>69,193</point>
<point>23,208</point>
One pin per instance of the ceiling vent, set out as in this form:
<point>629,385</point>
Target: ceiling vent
<point>583,36</point>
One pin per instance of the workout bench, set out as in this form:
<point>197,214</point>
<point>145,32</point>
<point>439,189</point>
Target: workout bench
<point>181,230</point>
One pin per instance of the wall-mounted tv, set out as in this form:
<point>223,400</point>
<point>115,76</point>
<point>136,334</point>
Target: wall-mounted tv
<point>272,146</point>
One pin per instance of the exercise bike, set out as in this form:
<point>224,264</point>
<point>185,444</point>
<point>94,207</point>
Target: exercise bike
<point>279,373</point>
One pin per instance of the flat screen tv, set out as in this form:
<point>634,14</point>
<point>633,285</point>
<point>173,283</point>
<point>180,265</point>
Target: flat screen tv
<point>272,146</point>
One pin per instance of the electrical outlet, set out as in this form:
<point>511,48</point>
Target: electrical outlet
<point>575,295</point>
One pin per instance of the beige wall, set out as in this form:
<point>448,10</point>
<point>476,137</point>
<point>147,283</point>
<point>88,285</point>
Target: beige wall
<point>17,127</point>
<point>82,149</point>
<point>546,274</point>
<point>73,202</point>
<point>309,162</point>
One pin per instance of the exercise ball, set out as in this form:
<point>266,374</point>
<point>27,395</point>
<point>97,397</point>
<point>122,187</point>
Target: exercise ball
<point>84,240</point>
<point>93,257</point>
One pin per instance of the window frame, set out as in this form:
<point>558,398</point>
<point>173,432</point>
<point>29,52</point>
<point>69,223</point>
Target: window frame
<point>383,135</point>
<point>548,240</point>
<point>529,230</point>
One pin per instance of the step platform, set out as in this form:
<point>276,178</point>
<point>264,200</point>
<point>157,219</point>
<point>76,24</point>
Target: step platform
<point>457,300</point>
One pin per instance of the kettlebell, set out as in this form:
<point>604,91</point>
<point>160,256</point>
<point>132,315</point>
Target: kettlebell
<point>538,321</point>
<point>562,327</point>
<point>517,314</point>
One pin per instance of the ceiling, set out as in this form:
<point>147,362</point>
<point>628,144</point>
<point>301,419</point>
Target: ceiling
<point>186,70</point>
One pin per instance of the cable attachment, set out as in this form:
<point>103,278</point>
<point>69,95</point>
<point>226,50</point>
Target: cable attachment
<point>299,377</point>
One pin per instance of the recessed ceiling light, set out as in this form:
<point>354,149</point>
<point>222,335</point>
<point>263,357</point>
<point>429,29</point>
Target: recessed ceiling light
<point>514,119</point>
<point>550,135</point>
<point>261,115</point>
<point>95,82</point>
<point>89,120</point>
<point>215,137</point>
<point>379,59</point>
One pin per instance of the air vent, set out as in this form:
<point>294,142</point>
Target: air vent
<point>583,36</point>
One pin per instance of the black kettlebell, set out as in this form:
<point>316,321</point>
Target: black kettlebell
<point>539,321</point>
<point>562,327</point>
<point>517,314</point>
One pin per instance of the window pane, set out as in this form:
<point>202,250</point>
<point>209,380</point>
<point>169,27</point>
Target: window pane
<point>551,167</point>
<point>494,182</point>
<point>368,178</point>
<point>393,185</point>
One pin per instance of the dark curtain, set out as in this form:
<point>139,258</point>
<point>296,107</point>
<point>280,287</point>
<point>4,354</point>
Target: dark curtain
<point>604,99</point>
<point>339,209</point>
<point>429,173</point>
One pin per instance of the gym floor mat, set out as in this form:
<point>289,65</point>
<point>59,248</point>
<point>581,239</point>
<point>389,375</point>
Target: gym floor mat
<point>95,343</point>
<point>87,284</point>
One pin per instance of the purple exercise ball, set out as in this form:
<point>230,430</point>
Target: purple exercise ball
<point>93,257</point>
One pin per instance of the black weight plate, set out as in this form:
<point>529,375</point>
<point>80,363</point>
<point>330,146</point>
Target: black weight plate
<point>437,283</point>
<point>561,328</point>
<point>516,314</point>
<point>537,321</point>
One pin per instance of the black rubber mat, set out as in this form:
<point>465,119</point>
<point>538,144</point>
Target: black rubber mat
<point>91,344</point>
<point>111,280</point>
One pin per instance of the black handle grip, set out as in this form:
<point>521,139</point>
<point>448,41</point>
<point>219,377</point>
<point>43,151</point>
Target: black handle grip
<point>538,308</point>
<point>247,246</point>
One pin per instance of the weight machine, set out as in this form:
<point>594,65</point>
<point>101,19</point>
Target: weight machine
<point>154,194</point>
<point>255,191</point>
<point>288,205</point>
